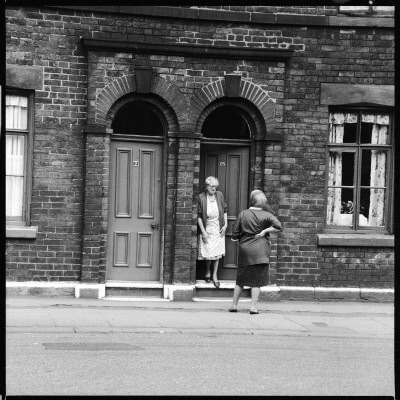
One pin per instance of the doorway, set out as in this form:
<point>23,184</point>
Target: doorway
<point>134,245</point>
<point>230,164</point>
<point>134,222</point>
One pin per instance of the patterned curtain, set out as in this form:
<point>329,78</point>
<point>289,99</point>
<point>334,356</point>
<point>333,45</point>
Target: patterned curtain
<point>380,134</point>
<point>334,195</point>
<point>336,135</point>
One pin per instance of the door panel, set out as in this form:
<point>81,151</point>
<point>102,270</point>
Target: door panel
<point>231,166</point>
<point>144,250</point>
<point>146,184</point>
<point>133,248</point>
<point>123,183</point>
<point>121,249</point>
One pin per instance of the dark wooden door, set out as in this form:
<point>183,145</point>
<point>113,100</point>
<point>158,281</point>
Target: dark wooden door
<point>134,231</point>
<point>231,166</point>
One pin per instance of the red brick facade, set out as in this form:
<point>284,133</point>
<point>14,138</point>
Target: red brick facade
<point>84,83</point>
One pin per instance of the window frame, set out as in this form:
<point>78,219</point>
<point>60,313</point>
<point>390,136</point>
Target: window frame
<point>358,147</point>
<point>28,154</point>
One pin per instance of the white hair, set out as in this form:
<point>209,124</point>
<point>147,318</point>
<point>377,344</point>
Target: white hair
<point>211,180</point>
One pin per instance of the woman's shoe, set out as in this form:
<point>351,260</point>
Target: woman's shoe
<point>233,310</point>
<point>254,312</point>
<point>216,284</point>
<point>207,279</point>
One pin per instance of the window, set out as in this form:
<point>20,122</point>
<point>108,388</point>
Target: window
<point>226,122</point>
<point>358,170</point>
<point>138,118</point>
<point>18,145</point>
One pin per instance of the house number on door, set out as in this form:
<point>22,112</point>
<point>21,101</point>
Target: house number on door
<point>222,164</point>
<point>136,163</point>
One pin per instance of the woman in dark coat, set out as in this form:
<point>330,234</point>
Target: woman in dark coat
<point>212,223</point>
<point>252,229</point>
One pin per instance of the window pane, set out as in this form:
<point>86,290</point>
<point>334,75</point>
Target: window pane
<point>341,168</point>
<point>340,207</point>
<point>14,196</point>
<point>375,129</point>
<point>137,118</point>
<point>16,112</point>
<point>343,128</point>
<point>15,150</point>
<point>348,169</point>
<point>15,155</point>
<point>373,168</point>
<point>372,207</point>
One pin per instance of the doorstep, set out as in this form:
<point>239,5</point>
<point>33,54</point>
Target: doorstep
<point>204,291</point>
<point>130,290</point>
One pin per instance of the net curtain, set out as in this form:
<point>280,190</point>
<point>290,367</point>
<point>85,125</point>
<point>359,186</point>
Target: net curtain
<point>16,119</point>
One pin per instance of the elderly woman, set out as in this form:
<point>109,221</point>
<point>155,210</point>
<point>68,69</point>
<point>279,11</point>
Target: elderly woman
<point>212,223</point>
<point>252,229</point>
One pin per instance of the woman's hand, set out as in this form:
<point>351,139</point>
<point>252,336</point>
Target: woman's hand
<point>261,234</point>
<point>205,237</point>
<point>223,230</point>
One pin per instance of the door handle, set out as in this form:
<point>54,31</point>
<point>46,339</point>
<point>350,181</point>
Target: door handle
<point>155,226</point>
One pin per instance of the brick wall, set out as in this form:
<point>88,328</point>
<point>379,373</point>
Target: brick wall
<point>331,56</point>
<point>43,38</point>
<point>363,267</point>
<point>291,171</point>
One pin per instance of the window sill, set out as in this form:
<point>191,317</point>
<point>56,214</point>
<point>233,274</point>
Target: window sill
<point>21,232</point>
<point>355,240</point>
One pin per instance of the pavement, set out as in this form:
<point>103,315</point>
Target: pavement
<point>29,314</point>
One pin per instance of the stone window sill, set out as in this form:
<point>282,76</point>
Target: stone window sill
<point>21,232</point>
<point>355,240</point>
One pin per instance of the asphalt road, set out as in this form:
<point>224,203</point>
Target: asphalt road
<point>197,364</point>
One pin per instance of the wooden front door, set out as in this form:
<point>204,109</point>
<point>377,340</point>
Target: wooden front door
<point>231,166</point>
<point>134,218</point>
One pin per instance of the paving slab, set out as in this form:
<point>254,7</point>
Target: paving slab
<point>301,318</point>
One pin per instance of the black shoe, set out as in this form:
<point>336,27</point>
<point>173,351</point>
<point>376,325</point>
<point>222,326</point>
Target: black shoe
<point>254,312</point>
<point>232,310</point>
<point>207,279</point>
<point>216,284</point>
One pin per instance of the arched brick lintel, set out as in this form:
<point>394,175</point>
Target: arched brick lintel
<point>248,90</point>
<point>119,87</point>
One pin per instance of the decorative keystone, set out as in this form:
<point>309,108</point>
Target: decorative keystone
<point>232,84</point>
<point>143,76</point>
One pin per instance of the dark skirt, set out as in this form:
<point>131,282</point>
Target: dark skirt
<point>253,275</point>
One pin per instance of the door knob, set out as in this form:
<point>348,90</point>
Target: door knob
<point>155,226</point>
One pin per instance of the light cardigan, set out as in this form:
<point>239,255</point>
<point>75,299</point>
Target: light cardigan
<point>202,208</point>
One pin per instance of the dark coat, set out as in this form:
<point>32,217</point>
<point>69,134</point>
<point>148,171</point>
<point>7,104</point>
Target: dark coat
<point>254,250</point>
<point>202,208</point>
